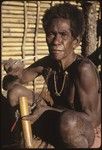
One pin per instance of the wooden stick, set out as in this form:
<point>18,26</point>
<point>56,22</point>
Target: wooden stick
<point>26,125</point>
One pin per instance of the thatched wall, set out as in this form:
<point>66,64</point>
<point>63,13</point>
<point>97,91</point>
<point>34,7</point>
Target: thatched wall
<point>22,35</point>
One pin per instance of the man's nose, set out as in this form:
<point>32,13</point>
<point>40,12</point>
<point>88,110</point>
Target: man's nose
<point>57,39</point>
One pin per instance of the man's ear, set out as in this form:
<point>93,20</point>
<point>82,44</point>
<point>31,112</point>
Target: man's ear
<point>76,42</point>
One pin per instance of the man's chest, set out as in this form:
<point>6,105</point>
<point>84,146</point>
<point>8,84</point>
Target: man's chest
<point>62,88</point>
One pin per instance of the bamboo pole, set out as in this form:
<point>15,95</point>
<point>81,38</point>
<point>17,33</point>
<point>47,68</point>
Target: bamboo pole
<point>17,34</point>
<point>13,57</point>
<point>17,20</point>
<point>12,16</point>
<point>26,125</point>
<point>44,2</point>
<point>37,27</point>
<point>12,3</point>
<point>41,41</point>
<point>19,44</point>
<point>25,30</point>
<point>12,25</point>
<point>15,3</point>
<point>13,30</point>
<point>11,7</point>
<point>5,11</point>
<point>32,16</point>
<point>36,34</point>
<point>12,44</point>
<point>14,20</point>
<point>28,49</point>
<point>10,53</point>
<point>11,40</point>
<point>12,11</point>
<point>52,3</point>
<point>19,25</point>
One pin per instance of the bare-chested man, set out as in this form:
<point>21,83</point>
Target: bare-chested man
<point>72,80</point>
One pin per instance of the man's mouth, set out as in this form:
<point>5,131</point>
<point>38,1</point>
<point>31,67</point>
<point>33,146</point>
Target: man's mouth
<point>57,52</point>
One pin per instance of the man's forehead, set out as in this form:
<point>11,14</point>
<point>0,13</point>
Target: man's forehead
<point>60,20</point>
<point>60,23</point>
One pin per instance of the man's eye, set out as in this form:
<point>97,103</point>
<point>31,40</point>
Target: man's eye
<point>50,35</point>
<point>64,34</point>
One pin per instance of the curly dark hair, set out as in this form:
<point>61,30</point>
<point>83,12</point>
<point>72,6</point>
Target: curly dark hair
<point>66,11</point>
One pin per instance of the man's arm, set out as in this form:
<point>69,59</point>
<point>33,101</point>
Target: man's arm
<point>30,73</point>
<point>87,86</point>
<point>16,73</point>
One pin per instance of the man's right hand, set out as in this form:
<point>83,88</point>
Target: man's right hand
<point>13,67</point>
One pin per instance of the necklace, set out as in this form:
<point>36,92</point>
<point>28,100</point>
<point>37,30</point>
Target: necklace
<point>63,84</point>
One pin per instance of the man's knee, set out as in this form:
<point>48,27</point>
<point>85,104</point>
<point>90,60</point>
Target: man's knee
<point>13,94</point>
<point>18,91</point>
<point>75,131</point>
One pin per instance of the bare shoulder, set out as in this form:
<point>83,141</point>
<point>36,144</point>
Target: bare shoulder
<point>87,74</point>
<point>86,65</point>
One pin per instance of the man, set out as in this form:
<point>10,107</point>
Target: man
<point>72,81</point>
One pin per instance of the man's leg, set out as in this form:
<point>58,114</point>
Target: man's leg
<point>75,131</point>
<point>17,91</point>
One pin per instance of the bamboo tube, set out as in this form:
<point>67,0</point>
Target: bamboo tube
<point>26,125</point>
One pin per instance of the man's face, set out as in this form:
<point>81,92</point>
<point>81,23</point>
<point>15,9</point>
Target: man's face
<point>59,39</point>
